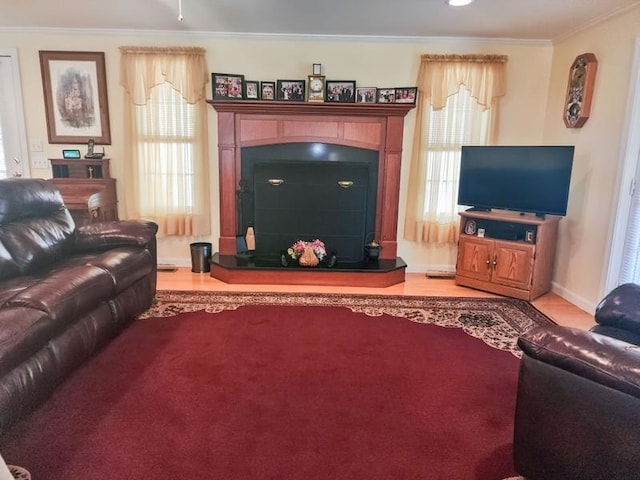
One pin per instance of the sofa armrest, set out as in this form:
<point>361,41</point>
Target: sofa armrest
<point>102,235</point>
<point>606,361</point>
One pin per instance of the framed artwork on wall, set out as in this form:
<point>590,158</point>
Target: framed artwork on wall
<point>75,96</point>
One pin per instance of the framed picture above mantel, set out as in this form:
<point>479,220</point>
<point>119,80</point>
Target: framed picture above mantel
<point>75,97</point>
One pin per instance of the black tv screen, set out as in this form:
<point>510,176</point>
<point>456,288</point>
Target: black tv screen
<point>522,178</point>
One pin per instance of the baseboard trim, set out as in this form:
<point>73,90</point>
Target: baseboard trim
<point>571,297</point>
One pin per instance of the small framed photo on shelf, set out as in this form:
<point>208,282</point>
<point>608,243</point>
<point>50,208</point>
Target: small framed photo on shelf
<point>386,95</point>
<point>267,90</point>
<point>406,95</point>
<point>227,86</point>
<point>317,69</point>
<point>341,91</point>
<point>290,90</point>
<point>366,94</point>
<point>251,90</point>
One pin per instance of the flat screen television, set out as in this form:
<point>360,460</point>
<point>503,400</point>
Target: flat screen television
<point>531,179</point>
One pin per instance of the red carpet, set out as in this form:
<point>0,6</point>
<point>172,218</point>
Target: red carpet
<point>278,392</point>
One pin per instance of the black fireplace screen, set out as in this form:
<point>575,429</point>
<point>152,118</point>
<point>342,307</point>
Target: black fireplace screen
<point>304,191</point>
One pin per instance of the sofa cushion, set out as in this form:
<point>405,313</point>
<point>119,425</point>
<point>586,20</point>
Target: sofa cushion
<point>67,294</point>
<point>36,229</point>
<point>11,287</point>
<point>23,331</point>
<point>126,265</point>
<point>621,308</point>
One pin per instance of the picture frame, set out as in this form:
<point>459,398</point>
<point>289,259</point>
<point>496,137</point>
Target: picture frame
<point>267,90</point>
<point>71,154</point>
<point>227,86</point>
<point>366,94</point>
<point>343,91</point>
<point>406,95</point>
<point>75,96</point>
<point>317,69</point>
<point>386,95</point>
<point>290,90</point>
<point>251,90</point>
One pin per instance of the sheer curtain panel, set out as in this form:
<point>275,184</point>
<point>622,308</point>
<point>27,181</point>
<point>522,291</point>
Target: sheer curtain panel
<point>457,105</point>
<point>167,175</point>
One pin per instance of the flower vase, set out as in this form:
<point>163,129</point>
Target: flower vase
<point>308,258</point>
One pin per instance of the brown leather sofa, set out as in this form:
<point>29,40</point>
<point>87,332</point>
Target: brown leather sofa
<point>578,405</point>
<point>64,291</point>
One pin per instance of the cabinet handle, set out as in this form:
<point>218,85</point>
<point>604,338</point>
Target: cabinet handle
<point>495,261</point>
<point>275,181</point>
<point>488,262</point>
<point>345,183</point>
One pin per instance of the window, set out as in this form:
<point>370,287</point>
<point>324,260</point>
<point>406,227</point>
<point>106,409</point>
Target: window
<point>165,145</point>
<point>166,136</point>
<point>456,106</point>
<point>461,122</point>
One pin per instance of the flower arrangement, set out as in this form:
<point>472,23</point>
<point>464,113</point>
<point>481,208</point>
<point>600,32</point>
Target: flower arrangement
<point>296,250</point>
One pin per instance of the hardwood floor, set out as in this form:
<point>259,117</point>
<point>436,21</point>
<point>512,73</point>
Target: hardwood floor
<point>555,307</point>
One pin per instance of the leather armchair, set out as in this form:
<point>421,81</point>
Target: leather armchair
<point>578,404</point>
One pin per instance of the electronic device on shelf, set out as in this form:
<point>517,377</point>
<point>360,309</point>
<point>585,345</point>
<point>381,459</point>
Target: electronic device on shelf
<point>91,155</point>
<point>533,179</point>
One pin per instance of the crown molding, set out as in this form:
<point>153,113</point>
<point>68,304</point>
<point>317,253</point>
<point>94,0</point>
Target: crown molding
<point>275,36</point>
<point>594,22</point>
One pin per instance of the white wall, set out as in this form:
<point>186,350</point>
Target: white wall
<point>370,62</point>
<point>583,246</point>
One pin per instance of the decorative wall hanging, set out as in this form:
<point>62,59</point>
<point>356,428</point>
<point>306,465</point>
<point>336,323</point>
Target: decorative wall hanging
<point>582,77</point>
<point>75,97</point>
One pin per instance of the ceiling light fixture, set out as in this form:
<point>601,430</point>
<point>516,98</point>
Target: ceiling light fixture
<point>459,3</point>
<point>180,17</point>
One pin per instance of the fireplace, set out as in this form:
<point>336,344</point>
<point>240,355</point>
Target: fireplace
<point>296,191</point>
<point>343,163</point>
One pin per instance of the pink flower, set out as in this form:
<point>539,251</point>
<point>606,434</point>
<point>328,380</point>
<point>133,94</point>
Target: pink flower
<point>297,249</point>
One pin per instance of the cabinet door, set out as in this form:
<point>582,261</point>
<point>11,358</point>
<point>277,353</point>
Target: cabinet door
<point>474,257</point>
<point>513,264</point>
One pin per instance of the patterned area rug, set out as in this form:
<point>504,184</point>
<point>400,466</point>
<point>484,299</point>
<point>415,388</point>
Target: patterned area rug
<point>496,321</point>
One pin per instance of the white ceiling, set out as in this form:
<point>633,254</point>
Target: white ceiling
<point>517,19</point>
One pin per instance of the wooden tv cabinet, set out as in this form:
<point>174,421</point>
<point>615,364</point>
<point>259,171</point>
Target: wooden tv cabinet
<point>507,253</point>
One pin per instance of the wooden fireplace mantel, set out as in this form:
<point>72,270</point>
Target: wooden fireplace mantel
<point>365,125</point>
<point>309,108</point>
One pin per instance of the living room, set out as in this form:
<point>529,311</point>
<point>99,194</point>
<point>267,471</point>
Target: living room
<point>131,395</point>
<point>531,113</point>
